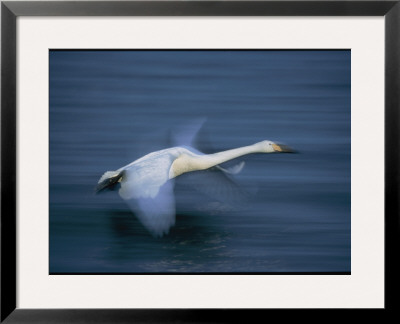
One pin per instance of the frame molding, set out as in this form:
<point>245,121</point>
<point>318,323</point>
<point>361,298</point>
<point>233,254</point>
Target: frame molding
<point>10,10</point>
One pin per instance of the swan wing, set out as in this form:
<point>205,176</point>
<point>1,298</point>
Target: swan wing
<point>149,193</point>
<point>215,184</point>
<point>185,135</point>
<point>157,214</point>
<point>231,170</point>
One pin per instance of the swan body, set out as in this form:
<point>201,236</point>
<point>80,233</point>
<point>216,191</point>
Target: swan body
<point>147,183</point>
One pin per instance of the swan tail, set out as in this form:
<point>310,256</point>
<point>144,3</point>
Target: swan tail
<point>109,181</point>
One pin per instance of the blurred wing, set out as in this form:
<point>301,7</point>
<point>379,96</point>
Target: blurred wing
<point>185,135</point>
<point>156,214</point>
<point>214,184</point>
<point>148,192</point>
<point>232,170</point>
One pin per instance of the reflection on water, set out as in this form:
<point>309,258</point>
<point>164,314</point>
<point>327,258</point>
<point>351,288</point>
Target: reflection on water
<point>289,212</point>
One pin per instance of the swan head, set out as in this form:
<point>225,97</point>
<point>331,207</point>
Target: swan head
<point>272,147</point>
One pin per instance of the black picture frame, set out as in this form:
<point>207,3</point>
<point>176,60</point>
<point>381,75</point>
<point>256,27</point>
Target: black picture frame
<point>10,10</point>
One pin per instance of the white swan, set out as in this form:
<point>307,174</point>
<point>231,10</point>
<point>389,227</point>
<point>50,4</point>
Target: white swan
<point>147,184</point>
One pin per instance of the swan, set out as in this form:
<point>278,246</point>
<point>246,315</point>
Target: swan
<point>147,183</point>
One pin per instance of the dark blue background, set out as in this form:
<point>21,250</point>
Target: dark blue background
<point>108,108</point>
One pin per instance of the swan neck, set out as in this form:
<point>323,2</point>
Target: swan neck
<point>224,156</point>
<point>187,163</point>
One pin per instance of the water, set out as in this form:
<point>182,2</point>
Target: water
<point>108,108</point>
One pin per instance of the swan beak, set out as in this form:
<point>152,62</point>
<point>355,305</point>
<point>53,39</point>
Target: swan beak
<point>280,148</point>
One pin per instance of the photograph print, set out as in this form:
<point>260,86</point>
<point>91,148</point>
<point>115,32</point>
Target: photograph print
<point>199,162</point>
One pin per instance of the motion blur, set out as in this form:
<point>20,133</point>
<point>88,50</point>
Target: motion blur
<point>273,213</point>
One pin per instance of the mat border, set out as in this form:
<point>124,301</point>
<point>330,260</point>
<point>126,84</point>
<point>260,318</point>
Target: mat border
<point>10,10</point>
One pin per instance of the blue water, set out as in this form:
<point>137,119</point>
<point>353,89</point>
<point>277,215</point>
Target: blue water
<point>108,108</point>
